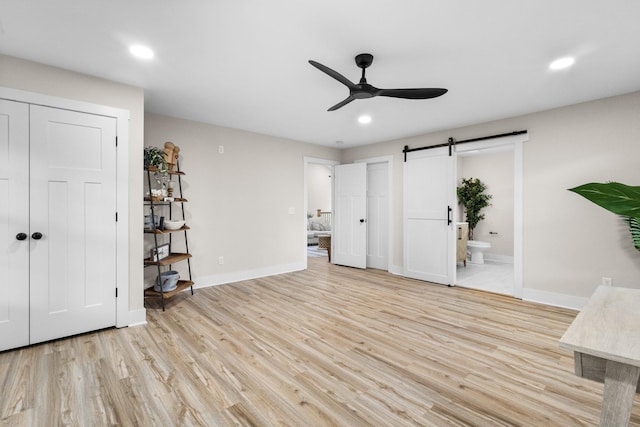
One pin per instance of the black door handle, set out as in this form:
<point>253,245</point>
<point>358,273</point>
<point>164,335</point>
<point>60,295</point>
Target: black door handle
<point>449,210</point>
<point>36,236</point>
<point>362,220</point>
<point>21,236</point>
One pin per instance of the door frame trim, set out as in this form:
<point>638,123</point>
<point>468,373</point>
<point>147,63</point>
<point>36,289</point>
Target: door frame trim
<point>122,180</point>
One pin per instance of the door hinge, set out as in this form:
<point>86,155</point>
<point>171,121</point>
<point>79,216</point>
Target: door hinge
<point>116,216</point>
<point>116,292</point>
<point>116,141</point>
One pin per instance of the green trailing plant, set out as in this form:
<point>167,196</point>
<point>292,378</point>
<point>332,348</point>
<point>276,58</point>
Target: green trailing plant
<point>472,197</point>
<point>154,156</point>
<point>621,199</point>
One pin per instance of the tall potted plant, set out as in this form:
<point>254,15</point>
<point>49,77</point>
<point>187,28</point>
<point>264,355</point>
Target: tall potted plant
<point>621,199</point>
<point>472,197</point>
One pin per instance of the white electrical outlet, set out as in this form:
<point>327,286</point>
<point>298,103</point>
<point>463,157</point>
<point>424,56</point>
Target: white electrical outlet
<point>220,260</point>
<point>606,281</point>
<point>221,149</point>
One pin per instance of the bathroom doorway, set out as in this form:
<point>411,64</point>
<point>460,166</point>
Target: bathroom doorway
<point>318,199</point>
<point>498,164</point>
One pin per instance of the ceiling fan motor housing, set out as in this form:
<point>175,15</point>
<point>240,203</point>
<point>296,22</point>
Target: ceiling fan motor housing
<point>364,60</point>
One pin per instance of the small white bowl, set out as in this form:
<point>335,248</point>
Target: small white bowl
<point>173,224</point>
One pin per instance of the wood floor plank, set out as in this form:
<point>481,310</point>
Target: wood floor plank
<point>329,346</point>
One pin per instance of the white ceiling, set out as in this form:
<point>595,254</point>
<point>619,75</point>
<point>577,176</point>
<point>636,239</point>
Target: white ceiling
<point>243,63</point>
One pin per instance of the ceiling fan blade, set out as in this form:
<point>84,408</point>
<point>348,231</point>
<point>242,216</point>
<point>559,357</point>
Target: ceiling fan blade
<point>342,103</point>
<point>424,93</point>
<point>336,75</point>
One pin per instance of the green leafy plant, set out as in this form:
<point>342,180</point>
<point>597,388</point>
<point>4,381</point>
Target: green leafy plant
<point>621,199</point>
<point>154,156</point>
<point>472,197</point>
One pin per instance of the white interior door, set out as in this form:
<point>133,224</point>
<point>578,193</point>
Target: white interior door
<point>73,206</point>
<point>378,215</point>
<point>429,198</point>
<point>349,235</point>
<point>14,220</point>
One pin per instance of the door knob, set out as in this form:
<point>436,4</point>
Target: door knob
<point>36,236</point>
<point>21,236</point>
<point>363,220</point>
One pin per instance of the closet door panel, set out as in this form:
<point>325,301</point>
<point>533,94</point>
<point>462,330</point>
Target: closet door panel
<point>14,219</point>
<point>73,194</point>
<point>349,238</point>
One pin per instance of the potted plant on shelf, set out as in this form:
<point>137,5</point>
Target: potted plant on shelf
<point>621,199</point>
<point>154,157</point>
<point>472,197</point>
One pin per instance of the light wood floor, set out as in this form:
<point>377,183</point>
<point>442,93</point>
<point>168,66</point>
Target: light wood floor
<point>331,346</point>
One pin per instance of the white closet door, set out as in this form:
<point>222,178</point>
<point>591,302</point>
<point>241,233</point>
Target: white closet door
<point>378,215</point>
<point>14,219</point>
<point>72,204</point>
<point>429,199</point>
<point>349,235</point>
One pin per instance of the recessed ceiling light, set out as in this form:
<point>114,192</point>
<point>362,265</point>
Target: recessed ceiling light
<point>364,119</point>
<point>141,51</point>
<point>562,63</point>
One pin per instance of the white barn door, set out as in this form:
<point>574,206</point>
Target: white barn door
<point>349,235</point>
<point>429,204</point>
<point>73,224</point>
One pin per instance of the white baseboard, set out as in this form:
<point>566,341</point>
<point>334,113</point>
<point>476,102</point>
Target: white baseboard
<point>137,317</point>
<point>238,276</point>
<point>398,270</point>
<point>499,258</point>
<point>552,298</point>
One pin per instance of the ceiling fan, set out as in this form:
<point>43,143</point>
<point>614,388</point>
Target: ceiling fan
<point>364,90</point>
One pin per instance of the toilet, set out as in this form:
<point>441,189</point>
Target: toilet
<point>477,248</point>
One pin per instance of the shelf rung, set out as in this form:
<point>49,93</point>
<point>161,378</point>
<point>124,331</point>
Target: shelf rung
<point>165,231</point>
<point>182,285</point>
<point>171,259</point>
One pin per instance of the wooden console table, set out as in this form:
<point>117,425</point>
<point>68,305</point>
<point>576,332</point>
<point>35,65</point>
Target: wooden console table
<point>605,339</point>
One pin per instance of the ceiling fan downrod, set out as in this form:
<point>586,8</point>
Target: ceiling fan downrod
<point>363,61</point>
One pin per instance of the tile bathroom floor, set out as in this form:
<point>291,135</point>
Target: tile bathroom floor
<point>492,276</point>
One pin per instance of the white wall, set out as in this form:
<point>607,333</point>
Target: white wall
<point>569,243</point>
<point>33,77</point>
<point>239,201</point>
<point>319,191</point>
<point>495,170</point>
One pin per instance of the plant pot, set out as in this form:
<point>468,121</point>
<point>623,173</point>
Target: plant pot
<point>167,281</point>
